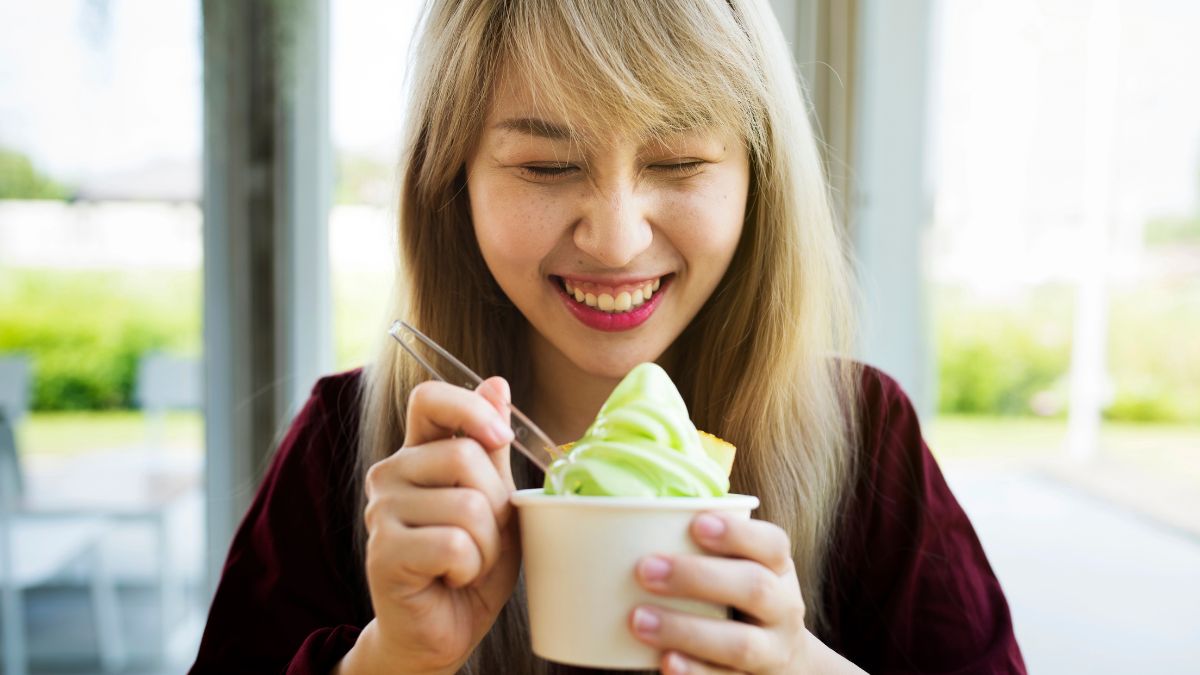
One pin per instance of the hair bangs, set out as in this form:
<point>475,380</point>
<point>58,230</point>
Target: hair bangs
<point>634,67</point>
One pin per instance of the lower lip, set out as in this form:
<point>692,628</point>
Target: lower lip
<point>615,322</point>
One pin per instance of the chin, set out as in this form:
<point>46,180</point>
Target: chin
<point>612,364</point>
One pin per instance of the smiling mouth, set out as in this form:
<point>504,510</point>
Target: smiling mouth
<point>610,299</point>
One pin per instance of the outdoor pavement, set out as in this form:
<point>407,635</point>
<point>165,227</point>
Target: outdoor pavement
<point>1094,587</point>
<point>155,507</point>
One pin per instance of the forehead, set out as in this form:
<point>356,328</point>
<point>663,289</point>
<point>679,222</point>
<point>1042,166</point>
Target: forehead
<point>510,94</point>
<point>518,108</point>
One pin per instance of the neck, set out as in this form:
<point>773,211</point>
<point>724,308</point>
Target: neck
<point>565,399</point>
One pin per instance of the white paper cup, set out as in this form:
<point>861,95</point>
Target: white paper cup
<point>579,556</point>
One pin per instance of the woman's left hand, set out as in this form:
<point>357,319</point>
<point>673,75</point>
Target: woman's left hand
<point>751,570</point>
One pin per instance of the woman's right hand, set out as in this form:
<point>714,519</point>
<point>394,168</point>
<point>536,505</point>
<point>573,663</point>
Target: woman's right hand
<point>442,550</point>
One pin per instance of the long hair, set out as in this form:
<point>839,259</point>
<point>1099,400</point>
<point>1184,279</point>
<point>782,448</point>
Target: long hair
<point>762,364</point>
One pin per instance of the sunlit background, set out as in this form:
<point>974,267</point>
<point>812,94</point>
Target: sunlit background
<point>1055,255</point>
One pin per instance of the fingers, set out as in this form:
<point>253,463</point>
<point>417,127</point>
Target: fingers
<point>731,644</point>
<point>437,410</point>
<point>743,584</point>
<point>751,571</point>
<point>495,390</point>
<point>451,462</point>
<point>450,488</point>
<point>755,573</point>
<point>437,507</point>
<point>756,540</point>
<point>468,510</point>
<point>413,556</point>
<point>674,663</point>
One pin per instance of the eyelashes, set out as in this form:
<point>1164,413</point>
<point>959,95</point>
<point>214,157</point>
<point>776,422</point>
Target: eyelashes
<point>551,171</point>
<point>546,172</point>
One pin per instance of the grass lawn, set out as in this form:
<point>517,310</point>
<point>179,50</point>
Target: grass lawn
<point>955,437</point>
<point>66,433</point>
<point>1164,449</point>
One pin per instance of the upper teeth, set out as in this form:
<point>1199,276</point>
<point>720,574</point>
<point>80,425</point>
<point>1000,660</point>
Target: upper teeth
<point>608,302</point>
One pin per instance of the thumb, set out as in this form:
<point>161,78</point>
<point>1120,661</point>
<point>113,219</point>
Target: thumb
<point>496,391</point>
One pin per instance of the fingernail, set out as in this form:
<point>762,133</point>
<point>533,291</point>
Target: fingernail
<point>654,568</point>
<point>709,526</point>
<point>505,392</point>
<point>675,664</point>
<point>646,621</point>
<point>502,431</point>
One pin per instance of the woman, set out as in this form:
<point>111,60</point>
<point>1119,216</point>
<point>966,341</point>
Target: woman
<point>587,186</point>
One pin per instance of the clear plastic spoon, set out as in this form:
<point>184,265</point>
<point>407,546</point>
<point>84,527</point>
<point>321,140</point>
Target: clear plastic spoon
<point>523,427</point>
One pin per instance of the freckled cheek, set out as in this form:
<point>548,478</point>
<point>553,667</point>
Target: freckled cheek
<point>513,227</point>
<point>706,226</point>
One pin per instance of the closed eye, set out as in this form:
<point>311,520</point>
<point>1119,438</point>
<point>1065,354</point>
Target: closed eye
<point>550,171</point>
<point>547,170</point>
<point>680,168</point>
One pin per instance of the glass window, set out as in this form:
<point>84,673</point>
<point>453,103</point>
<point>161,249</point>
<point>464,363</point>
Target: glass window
<point>1066,293</point>
<point>100,305</point>
<point>369,52</point>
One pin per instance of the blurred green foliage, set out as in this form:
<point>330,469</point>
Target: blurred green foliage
<point>359,179</point>
<point>996,354</point>
<point>1011,355</point>
<point>1173,230</point>
<point>85,330</point>
<point>1154,352</point>
<point>359,315</point>
<point>19,179</point>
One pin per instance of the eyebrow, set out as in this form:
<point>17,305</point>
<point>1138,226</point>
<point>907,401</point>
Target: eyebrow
<point>536,127</point>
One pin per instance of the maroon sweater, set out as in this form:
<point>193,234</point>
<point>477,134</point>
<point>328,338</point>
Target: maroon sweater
<point>910,589</point>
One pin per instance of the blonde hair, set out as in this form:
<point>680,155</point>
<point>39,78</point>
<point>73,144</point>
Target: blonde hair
<point>761,363</point>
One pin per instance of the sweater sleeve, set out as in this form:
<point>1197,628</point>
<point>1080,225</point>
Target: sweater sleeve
<point>910,586</point>
<point>290,598</point>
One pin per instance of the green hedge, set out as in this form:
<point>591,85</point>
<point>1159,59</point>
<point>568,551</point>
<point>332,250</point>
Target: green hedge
<point>1154,353</point>
<point>995,356</point>
<point>1011,355</point>
<point>20,179</point>
<point>85,331</point>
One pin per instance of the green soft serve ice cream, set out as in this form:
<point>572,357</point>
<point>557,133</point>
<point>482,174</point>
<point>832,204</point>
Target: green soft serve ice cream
<point>643,444</point>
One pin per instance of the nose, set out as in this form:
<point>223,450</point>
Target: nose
<point>614,229</point>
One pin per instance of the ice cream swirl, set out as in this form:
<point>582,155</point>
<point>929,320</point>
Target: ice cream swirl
<point>642,444</point>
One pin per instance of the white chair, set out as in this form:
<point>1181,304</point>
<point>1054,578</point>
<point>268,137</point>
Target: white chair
<point>36,548</point>
<point>165,383</point>
<point>14,394</point>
